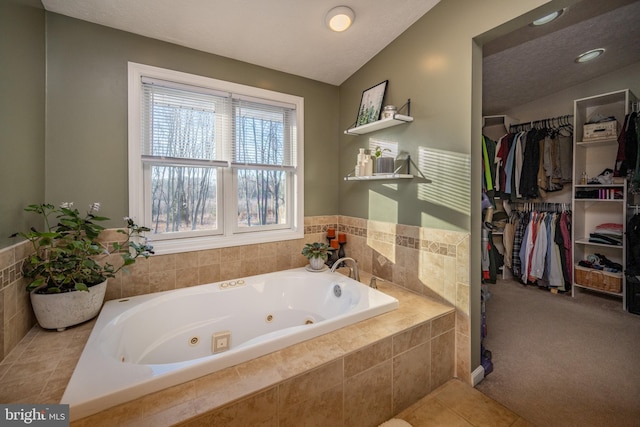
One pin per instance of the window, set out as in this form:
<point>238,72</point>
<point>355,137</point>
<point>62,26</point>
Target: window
<point>213,163</point>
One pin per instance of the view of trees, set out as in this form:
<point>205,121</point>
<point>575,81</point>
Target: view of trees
<point>185,197</point>
<point>261,193</point>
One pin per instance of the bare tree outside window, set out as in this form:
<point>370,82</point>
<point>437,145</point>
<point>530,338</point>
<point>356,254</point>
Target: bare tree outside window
<point>182,197</point>
<point>261,192</point>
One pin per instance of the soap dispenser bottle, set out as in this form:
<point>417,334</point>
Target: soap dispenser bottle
<point>360,165</point>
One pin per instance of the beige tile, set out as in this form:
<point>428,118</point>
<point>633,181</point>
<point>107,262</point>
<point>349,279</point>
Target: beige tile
<point>212,256</point>
<point>230,269</point>
<point>233,253</point>
<point>450,279</point>
<point>254,410</point>
<point>186,277</point>
<point>222,387</point>
<point>309,385</point>
<point>443,324</point>
<point>324,348</point>
<point>135,283</point>
<point>462,323</point>
<point>364,359</point>
<point>209,273</point>
<point>325,409</point>
<point>462,261</point>
<point>162,263</point>
<point>432,272</point>
<point>11,300</point>
<point>186,260</point>
<point>7,258</point>
<point>442,358</point>
<point>463,358</point>
<point>429,413</point>
<point>473,406</point>
<point>16,389</point>
<point>411,376</point>
<point>368,397</point>
<point>411,338</point>
<point>125,414</point>
<point>162,281</point>
<point>167,417</point>
<point>167,398</point>
<point>36,367</point>
<point>462,298</point>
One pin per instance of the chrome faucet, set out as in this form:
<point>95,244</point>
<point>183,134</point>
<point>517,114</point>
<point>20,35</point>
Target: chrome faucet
<point>373,283</point>
<point>353,271</point>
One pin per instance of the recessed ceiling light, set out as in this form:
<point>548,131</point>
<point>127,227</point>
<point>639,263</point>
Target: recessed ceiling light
<point>340,18</point>
<point>548,18</point>
<point>589,55</point>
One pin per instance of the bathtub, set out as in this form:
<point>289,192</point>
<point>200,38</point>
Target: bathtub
<point>150,342</point>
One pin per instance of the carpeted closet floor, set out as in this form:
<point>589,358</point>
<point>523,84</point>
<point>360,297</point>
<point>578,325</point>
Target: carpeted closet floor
<point>563,361</point>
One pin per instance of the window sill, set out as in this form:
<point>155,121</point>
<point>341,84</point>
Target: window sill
<point>189,244</point>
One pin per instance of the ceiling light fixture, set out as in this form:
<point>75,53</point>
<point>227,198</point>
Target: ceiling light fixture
<point>589,55</point>
<point>548,18</point>
<point>340,18</point>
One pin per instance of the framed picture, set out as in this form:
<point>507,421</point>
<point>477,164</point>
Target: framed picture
<point>371,104</point>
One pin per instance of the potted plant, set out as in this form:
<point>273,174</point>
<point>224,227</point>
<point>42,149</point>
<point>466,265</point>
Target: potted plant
<point>317,253</point>
<point>383,164</point>
<point>69,266</point>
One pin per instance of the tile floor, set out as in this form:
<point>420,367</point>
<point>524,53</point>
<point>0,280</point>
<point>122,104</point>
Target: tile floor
<point>456,404</point>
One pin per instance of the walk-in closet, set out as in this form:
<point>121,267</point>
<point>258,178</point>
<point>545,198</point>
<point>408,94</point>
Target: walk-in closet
<point>561,217</point>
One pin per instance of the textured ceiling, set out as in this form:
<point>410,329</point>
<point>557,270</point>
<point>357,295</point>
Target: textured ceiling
<point>284,35</point>
<point>534,62</point>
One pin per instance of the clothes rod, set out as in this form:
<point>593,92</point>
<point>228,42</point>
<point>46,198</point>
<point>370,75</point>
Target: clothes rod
<point>552,122</point>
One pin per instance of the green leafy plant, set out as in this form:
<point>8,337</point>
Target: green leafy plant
<point>67,255</point>
<point>379,151</point>
<point>316,250</point>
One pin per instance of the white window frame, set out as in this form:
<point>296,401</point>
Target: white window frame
<point>229,235</point>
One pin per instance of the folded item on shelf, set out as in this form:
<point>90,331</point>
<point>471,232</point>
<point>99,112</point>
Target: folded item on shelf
<point>610,226</point>
<point>606,177</point>
<point>605,239</point>
<point>586,194</point>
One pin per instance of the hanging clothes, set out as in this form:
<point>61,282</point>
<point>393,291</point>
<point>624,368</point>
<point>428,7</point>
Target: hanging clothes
<point>528,187</point>
<point>627,146</point>
<point>542,248</point>
<point>537,159</point>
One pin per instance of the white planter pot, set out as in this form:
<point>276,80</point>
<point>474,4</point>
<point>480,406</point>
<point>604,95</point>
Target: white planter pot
<point>59,311</point>
<point>316,263</point>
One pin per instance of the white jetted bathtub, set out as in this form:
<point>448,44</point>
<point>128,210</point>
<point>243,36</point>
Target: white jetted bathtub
<point>147,343</point>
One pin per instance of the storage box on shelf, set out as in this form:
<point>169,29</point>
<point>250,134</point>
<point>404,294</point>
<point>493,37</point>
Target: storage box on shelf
<point>598,280</point>
<point>599,131</point>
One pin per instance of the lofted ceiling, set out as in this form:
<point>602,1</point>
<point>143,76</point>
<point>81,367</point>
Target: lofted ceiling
<point>291,36</point>
<point>284,35</point>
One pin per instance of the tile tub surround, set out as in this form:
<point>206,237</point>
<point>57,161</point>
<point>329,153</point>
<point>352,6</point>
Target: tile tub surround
<point>359,375</point>
<point>431,262</point>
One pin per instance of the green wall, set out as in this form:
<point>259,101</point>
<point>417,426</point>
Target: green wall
<point>86,130</point>
<point>22,85</point>
<point>433,64</point>
<point>437,63</point>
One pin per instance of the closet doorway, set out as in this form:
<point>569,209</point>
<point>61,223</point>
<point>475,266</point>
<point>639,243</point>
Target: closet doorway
<point>545,347</point>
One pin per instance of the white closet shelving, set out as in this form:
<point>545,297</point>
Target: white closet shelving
<point>596,204</point>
